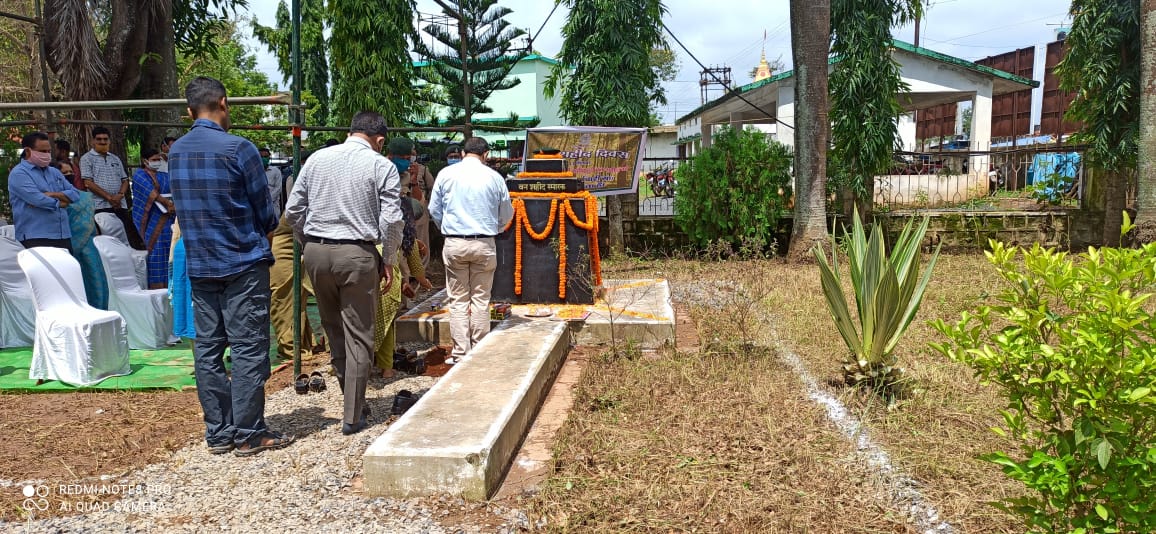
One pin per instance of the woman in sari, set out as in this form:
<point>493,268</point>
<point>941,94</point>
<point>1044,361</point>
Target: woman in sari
<point>152,212</point>
<point>83,227</point>
<point>385,330</point>
<point>180,289</point>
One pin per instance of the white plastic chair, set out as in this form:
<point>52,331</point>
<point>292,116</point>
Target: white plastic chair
<point>147,311</point>
<point>8,231</point>
<point>110,225</point>
<point>75,343</point>
<point>17,312</point>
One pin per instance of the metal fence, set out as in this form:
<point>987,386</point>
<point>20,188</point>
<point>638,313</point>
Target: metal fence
<point>1001,179</point>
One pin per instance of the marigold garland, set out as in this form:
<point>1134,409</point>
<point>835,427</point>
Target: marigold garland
<point>522,220</point>
<point>541,174</point>
<point>546,156</point>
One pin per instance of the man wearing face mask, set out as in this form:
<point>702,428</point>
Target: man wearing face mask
<point>226,222</point>
<point>40,196</point>
<point>276,182</point>
<point>345,202</point>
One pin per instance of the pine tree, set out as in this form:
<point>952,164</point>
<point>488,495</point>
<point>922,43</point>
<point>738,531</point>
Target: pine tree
<point>478,59</point>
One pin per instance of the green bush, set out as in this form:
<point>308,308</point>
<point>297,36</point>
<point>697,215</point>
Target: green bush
<point>1070,342</point>
<point>734,191</point>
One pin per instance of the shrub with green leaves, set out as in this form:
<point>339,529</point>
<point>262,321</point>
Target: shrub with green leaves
<point>887,289</point>
<point>736,190</point>
<point>1071,342</point>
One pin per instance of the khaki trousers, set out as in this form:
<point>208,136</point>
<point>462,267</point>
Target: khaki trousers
<point>281,303</point>
<point>346,282</point>
<point>470,265</point>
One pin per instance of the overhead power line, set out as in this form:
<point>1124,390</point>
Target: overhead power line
<point>719,81</point>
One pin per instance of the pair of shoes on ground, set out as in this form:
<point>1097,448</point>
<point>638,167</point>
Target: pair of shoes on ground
<point>267,442</point>
<point>314,382</point>
<point>348,429</point>
<point>403,401</point>
<point>409,362</point>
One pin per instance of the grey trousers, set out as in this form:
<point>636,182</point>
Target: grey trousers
<point>346,281</point>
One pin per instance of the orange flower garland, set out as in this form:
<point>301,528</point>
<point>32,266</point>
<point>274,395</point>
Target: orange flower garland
<point>522,219</point>
<point>564,174</point>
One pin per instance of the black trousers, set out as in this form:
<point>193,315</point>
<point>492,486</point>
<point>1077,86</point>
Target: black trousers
<point>55,243</point>
<point>125,216</point>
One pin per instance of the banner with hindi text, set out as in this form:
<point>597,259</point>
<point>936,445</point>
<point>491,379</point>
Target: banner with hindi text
<point>607,160</point>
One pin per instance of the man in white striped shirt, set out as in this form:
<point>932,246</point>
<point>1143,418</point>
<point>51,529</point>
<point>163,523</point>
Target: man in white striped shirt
<point>346,200</point>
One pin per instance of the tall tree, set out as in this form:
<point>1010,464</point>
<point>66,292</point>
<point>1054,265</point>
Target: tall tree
<point>608,44</point>
<point>864,88</point>
<point>810,39</point>
<point>369,46</point>
<point>479,53</point>
<point>314,50</point>
<point>1103,67</point>
<point>1146,179</point>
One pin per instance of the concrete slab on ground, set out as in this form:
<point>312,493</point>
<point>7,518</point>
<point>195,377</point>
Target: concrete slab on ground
<point>635,311</point>
<point>462,434</point>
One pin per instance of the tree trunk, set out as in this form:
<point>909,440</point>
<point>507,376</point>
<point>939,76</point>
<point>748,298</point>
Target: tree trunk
<point>159,79</point>
<point>1115,193</point>
<point>1146,180</point>
<point>810,41</point>
<point>614,216</point>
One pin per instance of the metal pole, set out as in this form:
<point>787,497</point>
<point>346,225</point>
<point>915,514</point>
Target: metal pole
<point>43,59</point>
<point>138,104</point>
<point>297,117</point>
<point>259,127</point>
<point>22,18</point>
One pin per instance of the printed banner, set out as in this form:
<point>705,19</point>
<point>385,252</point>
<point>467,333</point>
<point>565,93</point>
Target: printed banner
<point>607,160</point>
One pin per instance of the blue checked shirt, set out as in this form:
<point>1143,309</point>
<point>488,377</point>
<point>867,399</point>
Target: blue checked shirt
<point>222,201</point>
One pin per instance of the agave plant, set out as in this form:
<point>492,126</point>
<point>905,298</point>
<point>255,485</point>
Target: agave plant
<point>888,290</point>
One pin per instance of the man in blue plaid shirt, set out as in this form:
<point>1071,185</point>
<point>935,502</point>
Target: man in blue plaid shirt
<point>226,218</point>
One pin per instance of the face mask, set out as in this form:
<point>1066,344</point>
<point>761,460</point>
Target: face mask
<point>452,161</point>
<point>265,162</point>
<point>155,165</point>
<point>402,164</point>
<point>39,159</point>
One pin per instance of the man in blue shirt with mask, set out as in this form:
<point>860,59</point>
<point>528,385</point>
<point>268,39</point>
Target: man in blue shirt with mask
<point>40,196</point>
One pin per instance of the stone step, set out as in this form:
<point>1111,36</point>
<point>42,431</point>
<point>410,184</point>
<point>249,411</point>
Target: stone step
<point>462,434</point>
<point>639,312</point>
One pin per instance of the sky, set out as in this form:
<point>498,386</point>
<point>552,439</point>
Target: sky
<point>730,33</point>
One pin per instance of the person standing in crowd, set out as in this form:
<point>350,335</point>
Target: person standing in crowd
<point>453,154</point>
<point>471,205</point>
<point>226,217</point>
<point>181,289</point>
<point>345,202</point>
<point>104,175</point>
<point>420,185</point>
<point>83,229</point>
<point>152,214</point>
<point>40,196</point>
<point>166,144</point>
<point>276,181</point>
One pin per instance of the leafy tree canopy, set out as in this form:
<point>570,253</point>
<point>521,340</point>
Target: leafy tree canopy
<point>314,50</point>
<point>369,54</point>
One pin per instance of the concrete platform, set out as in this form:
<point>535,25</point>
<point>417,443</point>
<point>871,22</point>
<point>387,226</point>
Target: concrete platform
<point>636,311</point>
<point>462,434</point>
<point>460,438</point>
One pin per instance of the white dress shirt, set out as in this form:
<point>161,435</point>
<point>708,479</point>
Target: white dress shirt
<point>470,199</point>
<point>348,192</point>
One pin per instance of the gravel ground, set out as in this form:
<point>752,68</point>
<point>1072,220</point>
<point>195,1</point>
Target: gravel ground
<point>312,483</point>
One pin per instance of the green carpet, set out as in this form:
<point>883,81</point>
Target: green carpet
<point>163,369</point>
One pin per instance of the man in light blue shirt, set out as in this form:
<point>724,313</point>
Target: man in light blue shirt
<point>471,205</point>
<point>40,196</point>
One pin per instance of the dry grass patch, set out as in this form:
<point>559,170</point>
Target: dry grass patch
<point>724,443</point>
<point>637,451</point>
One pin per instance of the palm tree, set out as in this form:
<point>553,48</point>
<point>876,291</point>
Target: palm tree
<point>1146,184</point>
<point>810,39</point>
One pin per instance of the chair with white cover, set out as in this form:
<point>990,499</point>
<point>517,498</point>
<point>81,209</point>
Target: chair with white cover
<point>17,312</point>
<point>8,231</point>
<point>147,311</point>
<point>110,225</point>
<point>75,343</point>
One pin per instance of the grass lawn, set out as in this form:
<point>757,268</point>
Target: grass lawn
<point>725,438</point>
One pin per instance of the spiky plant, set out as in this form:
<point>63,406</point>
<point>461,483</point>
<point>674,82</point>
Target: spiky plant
<point>888,290</point>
